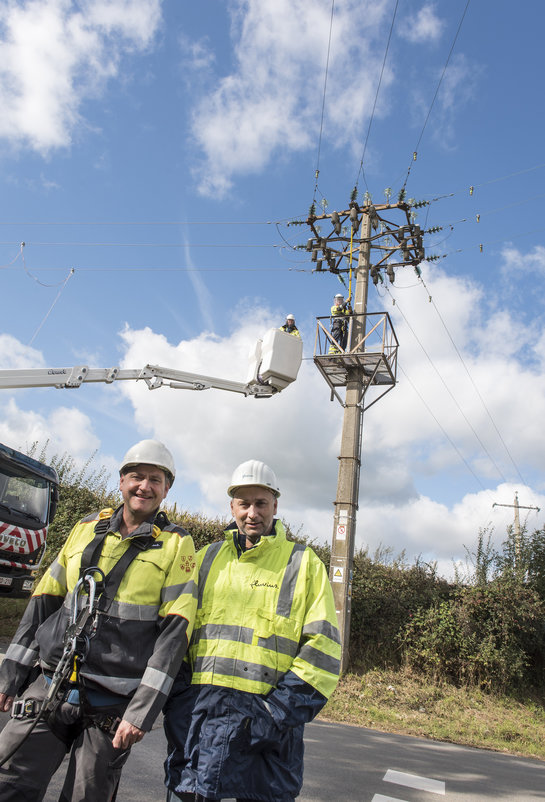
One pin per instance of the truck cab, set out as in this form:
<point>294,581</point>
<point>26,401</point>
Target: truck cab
<point>29,492</point>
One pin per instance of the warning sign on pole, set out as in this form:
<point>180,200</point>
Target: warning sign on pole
<point>341,532</point>
<point>338,574</point>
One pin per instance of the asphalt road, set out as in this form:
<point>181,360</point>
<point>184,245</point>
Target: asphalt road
<point>354,764</point>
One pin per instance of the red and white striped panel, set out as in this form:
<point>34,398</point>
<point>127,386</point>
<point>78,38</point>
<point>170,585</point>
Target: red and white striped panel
<point>20,540</point>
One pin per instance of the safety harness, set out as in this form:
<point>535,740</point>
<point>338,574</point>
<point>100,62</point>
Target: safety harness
<point>92,597</point>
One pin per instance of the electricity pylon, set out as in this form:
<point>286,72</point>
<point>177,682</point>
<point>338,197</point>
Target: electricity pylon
<point>367,367</point>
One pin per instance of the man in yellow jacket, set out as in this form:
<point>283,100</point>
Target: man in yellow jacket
<point>264,657</point>
<point>129,650</point>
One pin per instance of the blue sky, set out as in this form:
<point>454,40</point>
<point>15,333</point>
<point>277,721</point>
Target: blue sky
<point>159,149</point>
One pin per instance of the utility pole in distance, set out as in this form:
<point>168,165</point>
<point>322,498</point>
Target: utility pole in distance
<point>369,361</point>
<point>516,507</point>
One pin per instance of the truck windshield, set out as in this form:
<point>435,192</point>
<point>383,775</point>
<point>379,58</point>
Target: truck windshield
<point>24,498</point>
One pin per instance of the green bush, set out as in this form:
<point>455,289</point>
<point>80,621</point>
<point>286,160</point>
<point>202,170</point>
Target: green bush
<point>489,636</point>
<point>384,598</point>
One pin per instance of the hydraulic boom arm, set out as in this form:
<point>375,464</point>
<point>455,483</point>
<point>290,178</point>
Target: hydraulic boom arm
<point>274,364</point>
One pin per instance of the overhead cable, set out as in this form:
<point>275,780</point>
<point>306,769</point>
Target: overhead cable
<point>415,151</point>
<point>317,171</point>
<point>447,388</point>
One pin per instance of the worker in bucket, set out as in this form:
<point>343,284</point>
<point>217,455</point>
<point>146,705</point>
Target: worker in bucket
<point>290,326</point>
<point>122,641</point>
<point>339,323</point>
<point>264,656</point>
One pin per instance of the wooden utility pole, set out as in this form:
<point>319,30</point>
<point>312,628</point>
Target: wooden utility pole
<point>368,361</point>
<point>348,482</point>
<point>517,532</point>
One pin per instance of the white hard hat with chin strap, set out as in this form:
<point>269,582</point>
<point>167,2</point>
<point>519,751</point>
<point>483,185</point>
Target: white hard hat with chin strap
<point>149,452</point>
<point>253,473</point>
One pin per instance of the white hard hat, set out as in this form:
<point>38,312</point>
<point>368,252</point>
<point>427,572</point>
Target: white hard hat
<point>290,317</point>
<point>339,295</point>
<point>253,473</point>
<point>150,452</point>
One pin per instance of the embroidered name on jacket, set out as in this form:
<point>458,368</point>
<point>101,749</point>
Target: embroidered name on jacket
<point>256,584</point>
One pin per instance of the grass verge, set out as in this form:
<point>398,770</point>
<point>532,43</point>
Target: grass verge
<point>403,703</point>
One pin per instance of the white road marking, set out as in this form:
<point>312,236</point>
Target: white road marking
<point>381,798</point>
<point>414,781</point>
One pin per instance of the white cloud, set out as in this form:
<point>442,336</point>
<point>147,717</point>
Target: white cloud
<point>54,53</point>
<point>271,103</point>
<point>66,428</point>
<point>425,26</point>
<point>16,356</point>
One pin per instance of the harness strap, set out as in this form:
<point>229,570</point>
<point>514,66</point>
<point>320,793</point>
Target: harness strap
<point>112,580</point>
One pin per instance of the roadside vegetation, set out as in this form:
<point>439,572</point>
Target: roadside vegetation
<point>461,662</point>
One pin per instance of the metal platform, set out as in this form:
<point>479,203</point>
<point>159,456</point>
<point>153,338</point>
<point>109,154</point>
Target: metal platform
<point>371,360</point>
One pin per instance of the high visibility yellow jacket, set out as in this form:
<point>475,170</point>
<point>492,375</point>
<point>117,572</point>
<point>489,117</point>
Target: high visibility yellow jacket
<point>139,645</point>
<point>263,613</point>
<point>294,331</point>
<point>265,655</point>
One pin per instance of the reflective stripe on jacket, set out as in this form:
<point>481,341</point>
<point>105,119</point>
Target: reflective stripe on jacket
<point>265,653</point>
<point>262,614</point>
<point>140,643</point>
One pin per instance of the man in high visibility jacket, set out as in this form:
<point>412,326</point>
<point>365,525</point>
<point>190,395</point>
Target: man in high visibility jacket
<point>264,656</point>
<point>290,326</point>
<point>339,323</point>
<point>131,653</point>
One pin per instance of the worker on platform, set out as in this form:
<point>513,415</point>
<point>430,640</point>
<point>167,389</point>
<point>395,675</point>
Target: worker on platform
<point>290,327</point>
<point>339,323</point>
<point>265,656</point>
<point>139,635</point>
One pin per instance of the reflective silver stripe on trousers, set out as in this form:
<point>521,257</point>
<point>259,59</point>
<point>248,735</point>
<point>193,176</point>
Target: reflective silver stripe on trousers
<point>231,632</point>
<point>236,668</point>
<point>204,570</point>
<point>287,589</point>
<point>20,654</point>
<point>320,660</point>
<point>322,628</point>
<point>172,592</point>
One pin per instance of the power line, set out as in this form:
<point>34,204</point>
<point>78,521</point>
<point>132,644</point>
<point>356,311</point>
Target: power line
<point>317,171</point>
<point>361,170</point>
<point>474,385</point>
<point>482,445</point>
<point>454,446</point>
<point>436,93</point>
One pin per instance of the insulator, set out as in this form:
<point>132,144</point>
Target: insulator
<point>391,274</point>
<point>417,231</point>
<point>331,262</point>
<point>310,243</point>
<point>421,253</point>
<point>338,228</point>
<point>407,256</point>
<point>314,256</point>
<point>319,265</point>
<point>323,244</point>
<point>354,213</point>
<point>335,218</point>
<point>374,274</point>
